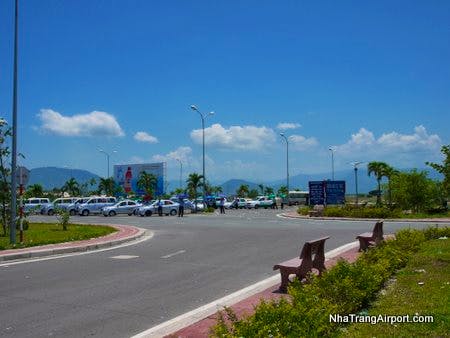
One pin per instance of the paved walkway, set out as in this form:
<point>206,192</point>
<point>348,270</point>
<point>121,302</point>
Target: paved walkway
<point>294,214</point>
<point>198,323</point>
<point>124,234</point>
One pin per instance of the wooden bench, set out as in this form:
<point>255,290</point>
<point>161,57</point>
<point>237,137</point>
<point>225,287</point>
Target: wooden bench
<point>373,238</point>
<point>317,211</point>
<point>312,256</point>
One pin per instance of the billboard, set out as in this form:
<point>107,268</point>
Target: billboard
<point>326,192</point>
<point>127,175</point>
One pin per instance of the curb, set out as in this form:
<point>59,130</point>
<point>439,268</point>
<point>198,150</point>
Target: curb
<point>421,220</point>
<point>78,246</point>
<point>190,318</point>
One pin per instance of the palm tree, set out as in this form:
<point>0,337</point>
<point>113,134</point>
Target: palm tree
<point>147,182</point>
<point>283,190</point>
<point>194,181</point>
<point>72,187</point>
<point>269,190</point>
<point>379,169</point>
<point>35,190</point>
<point>389,173</point>
<point>243,190</point>
<point>107,186</point>
<point>261,186</point>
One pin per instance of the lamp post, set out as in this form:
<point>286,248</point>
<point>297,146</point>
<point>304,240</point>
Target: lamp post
<point>181,172</point>
<point>107,157</point>
<point>203,117</point>
<point>287,164</point>
<point>332,162</point>
<point>355,168</point>
<point>12,228</point>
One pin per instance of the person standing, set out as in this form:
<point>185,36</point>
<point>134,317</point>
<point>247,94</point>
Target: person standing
<point>160,204</point>
<point>181,207</point>
<point>222,205</point>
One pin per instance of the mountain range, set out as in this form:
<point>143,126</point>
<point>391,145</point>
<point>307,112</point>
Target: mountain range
<point>53,177</point>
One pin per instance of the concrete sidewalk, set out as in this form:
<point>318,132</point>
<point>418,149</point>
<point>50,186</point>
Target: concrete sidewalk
<point>124,234</point>
<point>294,214</point>
<point>197,323</point>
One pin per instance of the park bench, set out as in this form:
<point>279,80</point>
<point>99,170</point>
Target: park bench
<point>373,238</point>
<point>312,256</point>
<point>317,211</point>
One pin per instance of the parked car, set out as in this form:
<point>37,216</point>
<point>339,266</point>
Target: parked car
<point>237,203</point>
<point>35,205</point>
<point>73,207</point>
<point>94,205</point>
<point>128,207</point>
<point>260,202</point>
<point>169,208</point>
<point>59,203</point>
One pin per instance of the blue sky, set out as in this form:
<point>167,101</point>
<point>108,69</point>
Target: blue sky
<point>371,79</point>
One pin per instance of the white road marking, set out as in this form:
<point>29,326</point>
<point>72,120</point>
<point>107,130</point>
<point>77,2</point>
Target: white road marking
<point>191,317</point>
<point>142,239</point>
<point>124,257</point>
<point>174,254</point>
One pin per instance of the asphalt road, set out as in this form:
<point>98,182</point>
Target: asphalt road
<point>189,262</point>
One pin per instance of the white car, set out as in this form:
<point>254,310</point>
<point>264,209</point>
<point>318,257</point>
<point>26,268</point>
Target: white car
<point>60,203</point>
<point>35,205</point>
<point>260,202</point>
<point>128,207</point>
<point>169,208</point>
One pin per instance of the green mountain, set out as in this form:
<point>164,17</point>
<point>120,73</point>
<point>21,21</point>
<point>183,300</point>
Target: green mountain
<point>53,177</point>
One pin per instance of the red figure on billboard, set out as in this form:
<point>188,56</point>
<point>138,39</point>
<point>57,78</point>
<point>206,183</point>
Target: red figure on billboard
<point>127,185</point>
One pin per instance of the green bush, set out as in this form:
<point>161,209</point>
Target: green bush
<point>63,216</point>
<point>345,288</point>
<point>361,212</point>
<point>303,211</point>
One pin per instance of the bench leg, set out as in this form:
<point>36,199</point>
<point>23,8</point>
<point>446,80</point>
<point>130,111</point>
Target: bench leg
<point>363,244</point>
<point>284,281</point>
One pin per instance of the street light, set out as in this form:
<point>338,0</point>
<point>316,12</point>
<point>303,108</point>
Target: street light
<point>355,168</point>
<point>107,157</point>
<point>332,162</point>
<point>287,164</point>
<point>181,172</point>
<point>203,117</point>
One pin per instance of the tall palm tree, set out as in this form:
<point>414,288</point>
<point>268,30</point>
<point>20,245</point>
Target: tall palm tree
<point>379,170</point>
<point>243,190</point>
<point>107,186</point>
<point>389,173</point>
<point>268,190</point>
<point>194,181</point>
<point>72,187</point>
<point>147,182</point>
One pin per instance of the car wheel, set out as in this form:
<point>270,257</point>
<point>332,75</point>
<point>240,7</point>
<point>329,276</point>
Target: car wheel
<point>135,212</point>
<point>256,206</point>
<point>105,215</point>
<point>72,212</point>
<point>50,212</point>
<point>148,213</point>
<point>85,212</point>
<point>112,213</point>
<point>173,212</point>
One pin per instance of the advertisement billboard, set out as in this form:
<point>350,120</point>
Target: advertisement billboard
<point>127,175</point>
<point>316,193</point>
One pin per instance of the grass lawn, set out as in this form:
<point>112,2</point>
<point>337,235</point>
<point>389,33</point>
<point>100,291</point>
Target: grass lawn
<point>430,266</point>
<point>50,233</point>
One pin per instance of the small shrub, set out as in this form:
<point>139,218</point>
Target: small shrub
<point>63,217</point>
<point>303,211</point>
<point>210,209</point>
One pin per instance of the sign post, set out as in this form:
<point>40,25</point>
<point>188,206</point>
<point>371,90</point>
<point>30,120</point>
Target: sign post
<point>23,176</point>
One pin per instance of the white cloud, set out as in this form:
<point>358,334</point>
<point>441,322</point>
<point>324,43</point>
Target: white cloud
<point>288,125</point>
<point>300,142</point>
<point>142,136</point>
<point>96,123</point>
<point>399,149</point>
<point>184,154</point>
<point>236,137</point>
